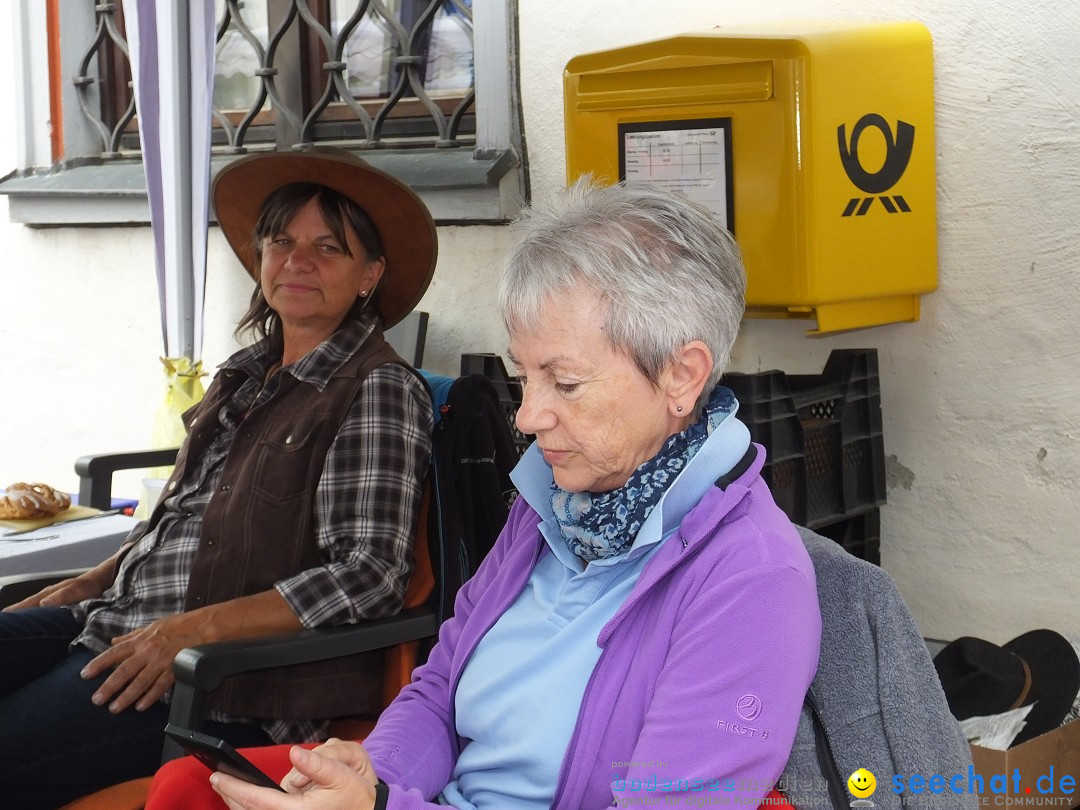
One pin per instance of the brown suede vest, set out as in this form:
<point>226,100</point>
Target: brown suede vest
<point>259,528</point>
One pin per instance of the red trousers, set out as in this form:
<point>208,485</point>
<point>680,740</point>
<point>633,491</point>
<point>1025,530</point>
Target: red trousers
<point>184,784</point>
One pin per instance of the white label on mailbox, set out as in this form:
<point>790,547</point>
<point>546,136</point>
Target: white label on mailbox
<point>694,160</point>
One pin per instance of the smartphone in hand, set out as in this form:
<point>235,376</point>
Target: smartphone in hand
<point>218,755</point>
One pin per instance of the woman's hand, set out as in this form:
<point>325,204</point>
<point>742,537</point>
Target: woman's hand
<point>88,585</point>
<point>352,754</point>
<point>142,659</point>
<point>142,662</point>
<point>331,784</point>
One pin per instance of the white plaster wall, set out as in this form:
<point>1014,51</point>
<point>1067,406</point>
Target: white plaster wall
<point>80,336</point>
<point>981,420</point>
<point>980,395</point>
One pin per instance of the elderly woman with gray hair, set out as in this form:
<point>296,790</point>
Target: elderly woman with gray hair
<point>647,625</point>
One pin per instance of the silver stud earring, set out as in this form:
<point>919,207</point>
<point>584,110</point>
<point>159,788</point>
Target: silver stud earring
<point>678,408</point>
<point>363,293</point>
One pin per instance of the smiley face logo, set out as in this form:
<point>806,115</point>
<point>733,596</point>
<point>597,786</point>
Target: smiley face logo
<point>862,783</point>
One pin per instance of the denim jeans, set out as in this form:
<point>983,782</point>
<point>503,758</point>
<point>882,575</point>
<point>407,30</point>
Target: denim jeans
<point>55,745</point>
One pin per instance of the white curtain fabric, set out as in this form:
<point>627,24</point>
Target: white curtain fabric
<point>172,65</point>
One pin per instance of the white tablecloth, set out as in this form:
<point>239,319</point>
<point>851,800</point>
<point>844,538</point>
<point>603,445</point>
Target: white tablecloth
<point>79,544</point>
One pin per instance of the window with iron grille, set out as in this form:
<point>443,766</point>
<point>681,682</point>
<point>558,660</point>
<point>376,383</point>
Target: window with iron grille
<point>425,89</point>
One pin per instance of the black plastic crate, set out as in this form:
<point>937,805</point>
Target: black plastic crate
<point>860,535</point>
<point>823,435</point>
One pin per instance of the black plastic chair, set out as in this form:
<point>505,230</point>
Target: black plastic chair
<point>96,472</point>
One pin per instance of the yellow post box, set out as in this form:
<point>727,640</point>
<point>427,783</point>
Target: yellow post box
<point>813,142</point>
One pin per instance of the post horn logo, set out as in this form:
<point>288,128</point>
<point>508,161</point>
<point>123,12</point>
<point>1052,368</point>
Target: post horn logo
<point>897,155</point>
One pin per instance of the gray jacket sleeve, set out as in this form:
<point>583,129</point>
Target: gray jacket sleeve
<point>878,693</point>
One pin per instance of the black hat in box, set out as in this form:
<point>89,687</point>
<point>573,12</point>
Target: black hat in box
<point>1040,667</point>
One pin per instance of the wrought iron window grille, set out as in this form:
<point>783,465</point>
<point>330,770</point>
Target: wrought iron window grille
<point>361,73</point>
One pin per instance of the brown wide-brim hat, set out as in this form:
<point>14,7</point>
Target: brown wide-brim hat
<point>410,245</point>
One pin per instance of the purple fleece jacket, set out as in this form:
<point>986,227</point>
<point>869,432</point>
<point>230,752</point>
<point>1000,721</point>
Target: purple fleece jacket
<point>701,677</point>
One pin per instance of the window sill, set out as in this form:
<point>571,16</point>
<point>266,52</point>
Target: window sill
<point>458,186</point>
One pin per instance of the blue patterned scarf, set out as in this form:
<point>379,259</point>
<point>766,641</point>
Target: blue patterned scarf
<point>598,525</point>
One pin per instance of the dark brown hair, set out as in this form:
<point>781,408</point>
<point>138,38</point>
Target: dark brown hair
<point>339,213</point>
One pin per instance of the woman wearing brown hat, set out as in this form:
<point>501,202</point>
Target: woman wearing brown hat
<point>293,501</point>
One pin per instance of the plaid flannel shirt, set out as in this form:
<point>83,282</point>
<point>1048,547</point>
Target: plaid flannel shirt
<point>365,504</point>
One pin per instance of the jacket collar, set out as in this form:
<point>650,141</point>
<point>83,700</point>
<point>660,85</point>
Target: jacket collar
<point>318,366</point>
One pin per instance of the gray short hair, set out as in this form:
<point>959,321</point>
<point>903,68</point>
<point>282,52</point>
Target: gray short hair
<point>667,271</point>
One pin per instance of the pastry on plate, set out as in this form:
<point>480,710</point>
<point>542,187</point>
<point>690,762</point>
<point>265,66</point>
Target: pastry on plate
<point>22,501</point>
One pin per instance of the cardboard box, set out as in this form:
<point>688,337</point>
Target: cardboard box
<point>1056,752</point>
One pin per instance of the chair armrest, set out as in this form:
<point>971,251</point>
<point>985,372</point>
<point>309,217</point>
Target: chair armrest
<point>206,667</point>
<point>96,472</point>
<point>19,586</point>
<point>199,670</point>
